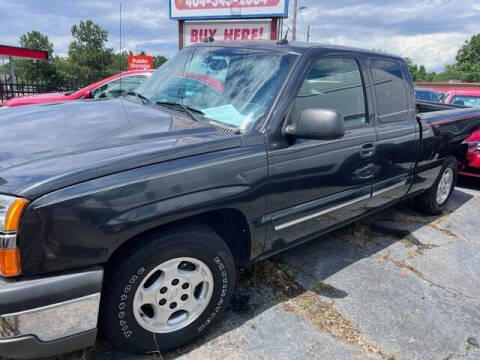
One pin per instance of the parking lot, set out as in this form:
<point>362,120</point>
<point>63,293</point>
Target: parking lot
<point>397,285</point>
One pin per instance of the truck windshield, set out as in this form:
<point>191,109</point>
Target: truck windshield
<point>234,86</point>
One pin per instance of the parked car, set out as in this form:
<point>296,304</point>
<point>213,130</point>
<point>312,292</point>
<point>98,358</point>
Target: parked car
<point>425,94</point>
<point>469,98</point>
<point>113,86</point>
<point>472,167</point>
<point>466,97</point>
<point>139,211</point>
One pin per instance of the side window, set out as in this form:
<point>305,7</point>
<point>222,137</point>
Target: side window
<point>130,83</point>
<point>118,87</point>
<point>334,83</point>
<point>390,91</point>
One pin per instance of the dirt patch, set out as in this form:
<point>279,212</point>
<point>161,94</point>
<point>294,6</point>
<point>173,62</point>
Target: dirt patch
<point>280,278</point>
<point>326,319</point>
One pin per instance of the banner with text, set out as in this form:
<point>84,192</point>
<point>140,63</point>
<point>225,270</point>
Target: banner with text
<point>195,32</point>
<point>211,9</point>
<point>140,62</point>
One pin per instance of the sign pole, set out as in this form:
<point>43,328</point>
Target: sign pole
<point>180,34</point>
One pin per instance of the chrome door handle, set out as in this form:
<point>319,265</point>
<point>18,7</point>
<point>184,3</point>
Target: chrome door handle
<point>367,150</point>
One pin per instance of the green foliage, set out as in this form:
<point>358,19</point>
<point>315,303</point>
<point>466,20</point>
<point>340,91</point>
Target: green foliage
<point>88,55</point>
<point>468,59</point>
<point>158,61</point>
<point>419,73</point>
<point>36,70</point>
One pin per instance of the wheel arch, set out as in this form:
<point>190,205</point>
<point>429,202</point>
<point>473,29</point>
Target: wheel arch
<point>229,223</point>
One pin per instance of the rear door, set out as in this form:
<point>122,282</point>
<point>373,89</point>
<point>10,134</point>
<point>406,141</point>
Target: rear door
<point>397,131</point>
<point>317,184</point>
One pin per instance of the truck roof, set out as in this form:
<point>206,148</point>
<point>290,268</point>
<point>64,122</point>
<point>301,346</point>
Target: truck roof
<point>296,47</point>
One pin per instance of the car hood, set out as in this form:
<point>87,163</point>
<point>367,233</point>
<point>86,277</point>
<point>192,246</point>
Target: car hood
<point>48,147</point>
<point>38,98</point>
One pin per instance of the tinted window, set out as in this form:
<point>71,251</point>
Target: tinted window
<point>422,95</point>
<point>390,90</point>
<point>334,84</point>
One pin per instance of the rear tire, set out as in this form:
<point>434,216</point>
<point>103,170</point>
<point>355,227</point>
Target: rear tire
<point>434,200</point>
<point>168,290</point>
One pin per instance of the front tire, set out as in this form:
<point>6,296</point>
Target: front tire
<point>168,291</point>
<point>434,200</point>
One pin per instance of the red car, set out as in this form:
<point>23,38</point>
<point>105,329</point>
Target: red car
<point>468,97</point>
<point>109,87</point>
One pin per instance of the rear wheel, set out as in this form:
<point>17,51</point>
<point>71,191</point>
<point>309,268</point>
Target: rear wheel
<point>169,291</point>
<point>434,200</point>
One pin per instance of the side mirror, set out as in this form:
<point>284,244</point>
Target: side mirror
<point>86,95</point>
<point>318,124</point>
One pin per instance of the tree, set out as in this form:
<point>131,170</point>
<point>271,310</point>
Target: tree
<point>158,60</point>
<point>419,73</point>
<point>36,70</point>
<point>468,59</point>
<point>89,57</point>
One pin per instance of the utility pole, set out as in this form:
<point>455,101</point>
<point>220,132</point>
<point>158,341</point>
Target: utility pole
<point>308,33</point>
<point>294,20</point>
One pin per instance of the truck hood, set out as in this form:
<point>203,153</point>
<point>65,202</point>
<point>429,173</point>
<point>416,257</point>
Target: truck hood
<point>47,147</point>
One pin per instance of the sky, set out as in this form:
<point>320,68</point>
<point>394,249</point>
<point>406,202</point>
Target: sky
<point>428,31</point>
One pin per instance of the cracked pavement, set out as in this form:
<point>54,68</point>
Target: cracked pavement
<point>396,285</point>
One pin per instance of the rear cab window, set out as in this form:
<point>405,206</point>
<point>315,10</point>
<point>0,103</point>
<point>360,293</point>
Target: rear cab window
<point>390,91</point>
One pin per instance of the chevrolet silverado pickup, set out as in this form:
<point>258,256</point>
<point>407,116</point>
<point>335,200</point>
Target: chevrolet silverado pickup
<point>130,215</point>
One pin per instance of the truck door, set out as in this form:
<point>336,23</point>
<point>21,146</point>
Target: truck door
<point>318,184</point>
<point>396,128</point>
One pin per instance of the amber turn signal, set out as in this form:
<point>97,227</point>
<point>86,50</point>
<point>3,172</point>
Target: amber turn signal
<point>10,262</point>
<point>14,213</point>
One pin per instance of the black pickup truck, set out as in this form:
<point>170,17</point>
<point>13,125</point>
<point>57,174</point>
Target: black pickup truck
<point>132,214</point>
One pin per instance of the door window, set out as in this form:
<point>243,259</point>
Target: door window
<point>118,87</point>
<point>390,91</point>
<point>334,83</point>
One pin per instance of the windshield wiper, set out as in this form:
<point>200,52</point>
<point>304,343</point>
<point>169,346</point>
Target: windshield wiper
<point>138,96</point>
<point>189,110</point>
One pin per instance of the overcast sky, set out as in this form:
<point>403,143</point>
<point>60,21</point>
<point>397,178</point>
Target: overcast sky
<point>428,31</point>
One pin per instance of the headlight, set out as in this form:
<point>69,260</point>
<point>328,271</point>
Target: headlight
<point>11,209</point>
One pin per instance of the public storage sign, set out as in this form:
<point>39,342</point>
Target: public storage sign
<point>140,62</point>
<point>195,32</point>
<point>215,9</point>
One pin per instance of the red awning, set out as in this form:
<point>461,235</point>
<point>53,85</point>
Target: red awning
<point>22,53</point>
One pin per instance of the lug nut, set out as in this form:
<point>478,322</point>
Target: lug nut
<point>163,290</point>
<point>173,305</point>
<point>184,297</point>
<point>175,282</point>
<point>162,302</point>
<point>185,286</point>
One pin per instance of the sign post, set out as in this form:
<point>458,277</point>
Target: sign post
<point>225,20</point>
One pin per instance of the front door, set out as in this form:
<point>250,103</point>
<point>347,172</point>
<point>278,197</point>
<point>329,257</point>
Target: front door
<point>317,184</point>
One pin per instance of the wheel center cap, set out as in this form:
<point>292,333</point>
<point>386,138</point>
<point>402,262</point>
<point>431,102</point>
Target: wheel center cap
<point>174,294</point>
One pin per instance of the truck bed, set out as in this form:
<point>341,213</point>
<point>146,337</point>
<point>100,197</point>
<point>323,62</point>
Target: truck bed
<point>458,122</point>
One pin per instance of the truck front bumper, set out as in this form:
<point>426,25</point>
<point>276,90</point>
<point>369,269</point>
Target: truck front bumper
<point>45,316</point>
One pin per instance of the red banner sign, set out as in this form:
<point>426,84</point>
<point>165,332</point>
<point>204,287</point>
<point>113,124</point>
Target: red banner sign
<point>222,4</point>
<point>140,62</point>
<point>212,9</point>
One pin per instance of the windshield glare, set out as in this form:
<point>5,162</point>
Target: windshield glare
<point>230,85</point>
